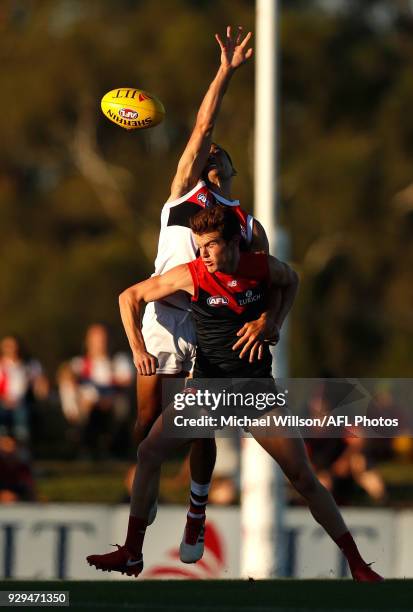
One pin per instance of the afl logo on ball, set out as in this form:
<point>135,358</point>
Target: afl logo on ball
<point>128,113</point>
<point>217,300</point>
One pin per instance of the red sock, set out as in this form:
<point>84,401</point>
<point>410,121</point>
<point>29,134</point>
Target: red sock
<point>197,506</point>
<point>350,550</point>
<point>135,535</point>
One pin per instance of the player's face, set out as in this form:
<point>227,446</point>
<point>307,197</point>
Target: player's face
<point>216,254</point>
<point>219,164</point>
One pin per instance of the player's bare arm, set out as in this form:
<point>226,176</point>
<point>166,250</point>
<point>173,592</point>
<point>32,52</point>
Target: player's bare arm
<point>132,301</point>
<point>282,292</point>
<point>287,280</point>
<point>252,334</point>
<point>259,241</point>
<point>234,53</point>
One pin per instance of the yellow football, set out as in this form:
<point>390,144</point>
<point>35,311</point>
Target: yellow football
<point>132,109</point>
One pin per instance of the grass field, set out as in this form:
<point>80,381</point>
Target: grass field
<point>230,595</point>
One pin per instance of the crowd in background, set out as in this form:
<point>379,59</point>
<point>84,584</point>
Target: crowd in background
<point>89,406</point>
<point>89,410</point>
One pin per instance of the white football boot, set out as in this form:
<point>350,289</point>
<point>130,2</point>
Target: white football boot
<point>193,541</point>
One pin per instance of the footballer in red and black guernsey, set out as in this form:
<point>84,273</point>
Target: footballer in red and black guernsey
<point>227,288</point>
<point>221,304</point>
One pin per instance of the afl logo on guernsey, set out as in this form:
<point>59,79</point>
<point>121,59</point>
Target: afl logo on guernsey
<point>217,300</point>
<point>202,197</point>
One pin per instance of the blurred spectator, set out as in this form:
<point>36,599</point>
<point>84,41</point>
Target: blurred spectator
<point>343,462</point>
<point>21,381</point>
<point>16,478</point>
<point>357,462</point>
<point>95,393</point>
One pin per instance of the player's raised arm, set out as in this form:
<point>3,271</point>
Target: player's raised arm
<point>234,53</point>
<point>131,303</point>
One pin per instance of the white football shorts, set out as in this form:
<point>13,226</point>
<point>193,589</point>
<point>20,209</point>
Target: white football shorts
<point>169,335</point>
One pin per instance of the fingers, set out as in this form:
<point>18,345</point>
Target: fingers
<point>244,333</point>
<point>238,38</point>
<point>254,351</point>
<point>221,44</point>
<point>254,346</point>
<point>239,343</point>
<point>147,366</point>
<point>248,54</point>
<point>243,330</point>
<point>247,347</point>
<point>245,41</point>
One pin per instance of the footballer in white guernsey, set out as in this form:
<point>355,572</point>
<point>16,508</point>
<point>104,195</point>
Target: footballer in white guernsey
<point>203,179</point>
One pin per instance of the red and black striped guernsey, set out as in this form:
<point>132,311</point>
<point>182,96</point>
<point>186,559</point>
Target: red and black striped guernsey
<point>221,304</point>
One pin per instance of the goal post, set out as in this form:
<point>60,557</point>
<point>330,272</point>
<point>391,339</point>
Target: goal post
<point>262,490</point>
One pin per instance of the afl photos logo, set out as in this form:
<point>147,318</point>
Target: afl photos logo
<point>217,300</point>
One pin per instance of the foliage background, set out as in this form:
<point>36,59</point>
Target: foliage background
<point>80,198</point>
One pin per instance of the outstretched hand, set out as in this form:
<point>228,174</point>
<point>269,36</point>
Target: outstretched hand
<point>234,50</point>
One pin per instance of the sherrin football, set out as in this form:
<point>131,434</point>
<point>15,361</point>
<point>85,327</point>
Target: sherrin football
<point>132,109</point>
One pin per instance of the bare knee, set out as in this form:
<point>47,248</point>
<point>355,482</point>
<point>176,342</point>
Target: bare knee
<point>148,457</point>
<point>305,482</point>
<point>146,418</point>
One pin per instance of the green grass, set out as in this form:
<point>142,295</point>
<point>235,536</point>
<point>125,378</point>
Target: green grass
<point>81,482</point>
<point>99,482</point>
<point>230,595</point>
<point>103,482</point>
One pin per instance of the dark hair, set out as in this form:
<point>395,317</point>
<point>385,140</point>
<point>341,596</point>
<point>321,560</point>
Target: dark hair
<point>216,219</point>
<point>226,153</point>
<point>204,174</point>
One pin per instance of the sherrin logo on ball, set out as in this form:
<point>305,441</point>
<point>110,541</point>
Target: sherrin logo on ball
<point>132,109</point>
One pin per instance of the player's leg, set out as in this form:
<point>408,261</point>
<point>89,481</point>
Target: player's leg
<point>202,463</point>
<point>150,401</point>
<point>292,457</point>
<point>152,451</point>
<point>150,390</point>
<point>159,330</point>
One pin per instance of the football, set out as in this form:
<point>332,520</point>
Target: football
<point>132,109</point>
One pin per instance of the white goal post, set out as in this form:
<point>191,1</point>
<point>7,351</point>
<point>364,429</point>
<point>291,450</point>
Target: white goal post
<point>262,491</point>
